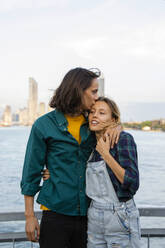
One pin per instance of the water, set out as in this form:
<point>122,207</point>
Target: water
<point>151,152</point>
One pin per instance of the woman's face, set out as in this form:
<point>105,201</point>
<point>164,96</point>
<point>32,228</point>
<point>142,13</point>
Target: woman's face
<point>100,116</point>
<point>90,95</point>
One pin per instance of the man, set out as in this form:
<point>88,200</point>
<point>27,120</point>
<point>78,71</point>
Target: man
<point>61,141</point>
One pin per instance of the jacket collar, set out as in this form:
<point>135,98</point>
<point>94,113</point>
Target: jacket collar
<point>60,118</point>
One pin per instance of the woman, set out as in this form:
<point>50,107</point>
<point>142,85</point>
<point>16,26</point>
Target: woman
<point>61,142</point>
<point>112,179</point>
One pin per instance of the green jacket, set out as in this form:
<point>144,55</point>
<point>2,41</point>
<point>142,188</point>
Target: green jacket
<point>51,145</point>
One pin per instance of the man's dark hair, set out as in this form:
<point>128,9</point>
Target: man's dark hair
<point>68,96</point>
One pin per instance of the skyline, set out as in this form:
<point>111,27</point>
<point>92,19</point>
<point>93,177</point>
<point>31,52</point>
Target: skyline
<point>26,115</point>
<point>45,39</point>
<point>132,111</point>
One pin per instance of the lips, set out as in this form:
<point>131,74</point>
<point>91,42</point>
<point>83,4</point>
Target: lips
<point>94,122</point>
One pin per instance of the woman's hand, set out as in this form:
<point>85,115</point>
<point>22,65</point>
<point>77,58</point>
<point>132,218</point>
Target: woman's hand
<point>113,134</point>
<point>46,174</point>
<point>102,146</point>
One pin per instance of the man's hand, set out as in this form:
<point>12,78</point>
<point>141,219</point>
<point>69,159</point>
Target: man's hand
<point>46,174</point>
<point>113,134</point>
<point>32,229</point>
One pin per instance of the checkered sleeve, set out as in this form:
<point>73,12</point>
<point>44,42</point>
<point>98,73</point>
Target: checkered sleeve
<point>127,158</point>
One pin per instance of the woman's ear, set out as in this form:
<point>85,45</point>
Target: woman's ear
<point>113,120</point>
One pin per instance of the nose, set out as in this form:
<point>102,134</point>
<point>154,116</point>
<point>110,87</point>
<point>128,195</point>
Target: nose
<point>95,114</point>
<point>96,96</point>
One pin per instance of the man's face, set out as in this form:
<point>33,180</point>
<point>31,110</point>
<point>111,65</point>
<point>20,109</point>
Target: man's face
<point>90,95</point>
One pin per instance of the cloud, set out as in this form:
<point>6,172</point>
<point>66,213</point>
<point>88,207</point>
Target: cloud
<point>12,5</point>
<point>86,47</point>
<point>121,38</point>
<point>147,42</point>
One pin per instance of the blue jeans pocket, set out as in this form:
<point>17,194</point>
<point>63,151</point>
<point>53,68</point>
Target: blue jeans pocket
<point>123,219</point>
<point>134,221</point>
<point>115,222</point>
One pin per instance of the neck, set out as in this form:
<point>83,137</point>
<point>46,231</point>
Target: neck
<point>99,134</point>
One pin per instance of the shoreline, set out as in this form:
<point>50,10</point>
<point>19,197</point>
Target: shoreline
<point>125,128</point>
<point>147,131</point>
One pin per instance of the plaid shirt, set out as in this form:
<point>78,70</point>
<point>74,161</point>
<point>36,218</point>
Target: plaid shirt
<point>124,152</point>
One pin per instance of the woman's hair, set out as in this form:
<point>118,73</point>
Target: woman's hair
<point>113,107</point>
<point>68,96</point>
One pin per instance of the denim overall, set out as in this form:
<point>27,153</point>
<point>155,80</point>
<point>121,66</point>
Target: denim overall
<point>111,224</point>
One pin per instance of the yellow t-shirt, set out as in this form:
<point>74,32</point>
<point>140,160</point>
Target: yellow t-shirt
<point>74,124</point>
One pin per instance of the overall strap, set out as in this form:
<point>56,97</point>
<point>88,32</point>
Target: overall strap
<point>111,187</point>
<point>90,156</point>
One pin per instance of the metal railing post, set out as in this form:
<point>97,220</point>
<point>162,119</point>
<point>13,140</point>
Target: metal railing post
<point>148,241</point>
<point>13,243</point>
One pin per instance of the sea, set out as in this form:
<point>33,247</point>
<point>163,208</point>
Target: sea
<point>151,156</point>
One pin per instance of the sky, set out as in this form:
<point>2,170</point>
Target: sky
<point>44,39</point>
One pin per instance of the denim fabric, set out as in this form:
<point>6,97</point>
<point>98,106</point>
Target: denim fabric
<point>111,224</point>
<point>98,183</point>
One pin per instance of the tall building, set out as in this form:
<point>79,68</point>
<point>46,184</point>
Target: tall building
<point>23,117</point>
<point>101,85</point>
<point>32,101</point>
<point>15,118</point>
<point>7,116</point>
<point>41,109</point>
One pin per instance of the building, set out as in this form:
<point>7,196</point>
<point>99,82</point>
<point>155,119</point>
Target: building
<point>162,121</point>
<point>32,101</point>
<point>7,116</point>
<point>15,118</point>
<point>101,91</point>
<point>41,109</point>
<point>146,128</point>
<point>23,117</point>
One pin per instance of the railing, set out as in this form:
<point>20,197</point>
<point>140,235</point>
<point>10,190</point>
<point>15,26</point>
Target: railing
<point>21,236</point>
